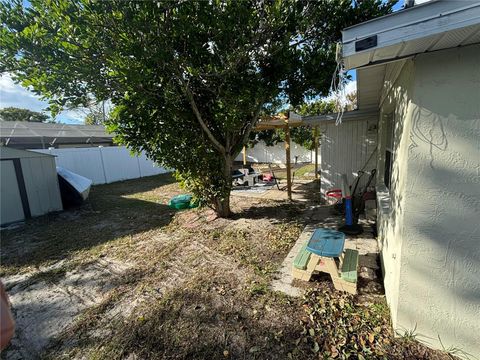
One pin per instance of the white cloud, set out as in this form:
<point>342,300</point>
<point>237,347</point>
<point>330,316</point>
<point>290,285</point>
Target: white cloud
<point>7,84</point>
<point>74,115</point>
<point>12,94</point>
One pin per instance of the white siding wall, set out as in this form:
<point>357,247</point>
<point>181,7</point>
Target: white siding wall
<point>40,181</point>
<point>345,149</point>
<point>105,164</point>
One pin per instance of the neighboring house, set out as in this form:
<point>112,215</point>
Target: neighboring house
<point>87,150</point>
<point>30,135</point>
<point>419,70</point>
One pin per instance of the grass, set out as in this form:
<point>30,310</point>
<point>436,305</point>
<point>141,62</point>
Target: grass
<point>194,286</point>
<point>115,212</point>
<point>301,171</point>
<point>305,171</point>
<point>409,334</point>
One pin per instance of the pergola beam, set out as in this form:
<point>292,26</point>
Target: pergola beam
<point>278,122</point>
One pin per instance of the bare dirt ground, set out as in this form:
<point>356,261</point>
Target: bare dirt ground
<point>126,277</point>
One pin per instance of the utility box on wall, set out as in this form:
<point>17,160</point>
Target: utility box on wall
<point>28,185</point>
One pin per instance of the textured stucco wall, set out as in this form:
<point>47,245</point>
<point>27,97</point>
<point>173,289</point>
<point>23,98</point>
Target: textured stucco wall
<point>434,220</point>
<point>440,267</point>
<point>396,107</point>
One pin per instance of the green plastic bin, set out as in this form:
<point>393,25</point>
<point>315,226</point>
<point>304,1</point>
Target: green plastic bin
<point>180,202</point>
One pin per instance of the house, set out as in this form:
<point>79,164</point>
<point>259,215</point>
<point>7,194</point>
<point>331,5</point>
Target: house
<point>418,74</point>
<point>32,135</point>
<point>87,150</point>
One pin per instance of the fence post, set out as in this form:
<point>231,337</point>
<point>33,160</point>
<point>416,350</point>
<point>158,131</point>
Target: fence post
<point>103,163</point>
<point>138,164</point>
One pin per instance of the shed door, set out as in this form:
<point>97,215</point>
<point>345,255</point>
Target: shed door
<point>11,203</point>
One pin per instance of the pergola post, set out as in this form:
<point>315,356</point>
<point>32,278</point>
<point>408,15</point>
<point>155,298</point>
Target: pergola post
<point>244,151</point>
<point>287,153</point>
<point>315,143</point>
<point>283,122</point>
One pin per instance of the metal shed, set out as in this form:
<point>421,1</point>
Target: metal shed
<point>28,185</point>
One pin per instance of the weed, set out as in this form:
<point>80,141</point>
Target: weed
<point>258,288</point>
<point>455,351</point>
<point>408,334</point>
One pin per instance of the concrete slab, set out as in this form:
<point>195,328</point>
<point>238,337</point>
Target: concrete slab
<point>284,280</point>
<point>302,190</point>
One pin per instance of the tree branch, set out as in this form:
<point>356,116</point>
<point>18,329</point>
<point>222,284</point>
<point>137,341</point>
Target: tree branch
<point>249,127</point>
<point>202,123</point>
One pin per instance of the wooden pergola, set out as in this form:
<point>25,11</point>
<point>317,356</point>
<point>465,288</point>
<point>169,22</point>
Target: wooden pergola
<point>285,121</point>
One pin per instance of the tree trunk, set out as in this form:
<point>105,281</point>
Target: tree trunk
<point>222,204</point>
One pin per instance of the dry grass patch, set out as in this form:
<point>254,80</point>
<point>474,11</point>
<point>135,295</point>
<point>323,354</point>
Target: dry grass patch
<point>212,316</point>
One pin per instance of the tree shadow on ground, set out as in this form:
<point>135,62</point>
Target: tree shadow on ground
<point>200,322</point>
<point>287,212</point>
<point>109,214</point>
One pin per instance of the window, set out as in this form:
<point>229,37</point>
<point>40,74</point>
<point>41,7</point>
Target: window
<point>389,150</point>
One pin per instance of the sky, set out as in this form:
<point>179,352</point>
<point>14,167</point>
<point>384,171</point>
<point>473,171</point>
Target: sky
<point>15,95</point>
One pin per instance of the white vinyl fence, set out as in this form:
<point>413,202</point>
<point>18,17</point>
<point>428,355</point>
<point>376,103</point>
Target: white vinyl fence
<point>261,153</point>
<point>104,165</point>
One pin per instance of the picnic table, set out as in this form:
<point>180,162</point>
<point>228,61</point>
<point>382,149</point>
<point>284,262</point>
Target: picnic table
<point>250,176</point>
<point>324,252</point>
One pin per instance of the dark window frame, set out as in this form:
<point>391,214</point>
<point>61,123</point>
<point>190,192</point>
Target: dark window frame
<point>389,149</point>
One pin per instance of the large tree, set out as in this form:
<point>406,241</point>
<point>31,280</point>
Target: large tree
<point>188,79</point>
<point>19,114</point>
<point>95,113</point>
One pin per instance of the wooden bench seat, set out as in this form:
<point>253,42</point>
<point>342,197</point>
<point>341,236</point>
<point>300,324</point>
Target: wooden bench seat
<point>302,258</point>
<point>349,266</point>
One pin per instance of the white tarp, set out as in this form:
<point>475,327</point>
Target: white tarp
<point>80,183</point>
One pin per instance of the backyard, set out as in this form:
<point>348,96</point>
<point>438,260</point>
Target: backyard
<point>125,276</point>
